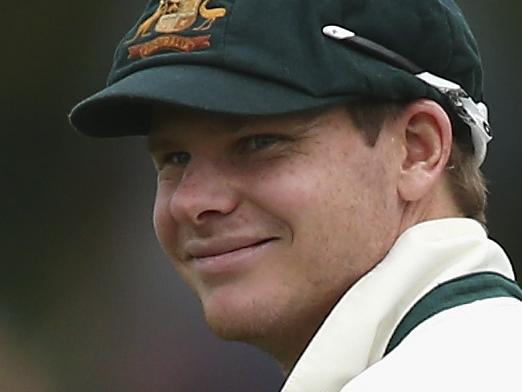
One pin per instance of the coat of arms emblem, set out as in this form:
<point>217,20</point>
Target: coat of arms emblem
<point>174,16</point>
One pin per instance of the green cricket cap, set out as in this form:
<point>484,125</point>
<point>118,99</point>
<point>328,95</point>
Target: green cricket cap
<point>252,57</point>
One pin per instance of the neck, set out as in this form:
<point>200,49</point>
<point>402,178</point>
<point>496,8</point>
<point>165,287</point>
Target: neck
<point>438,204</point>
<point>288,341</point>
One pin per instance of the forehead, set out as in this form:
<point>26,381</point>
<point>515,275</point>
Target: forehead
<point>183,122</point>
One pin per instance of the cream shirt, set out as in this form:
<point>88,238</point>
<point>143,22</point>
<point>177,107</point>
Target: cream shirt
<point>446,352</point>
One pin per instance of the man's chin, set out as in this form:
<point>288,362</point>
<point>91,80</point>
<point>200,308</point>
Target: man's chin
<point>247,322</point>
<point>235,327</point>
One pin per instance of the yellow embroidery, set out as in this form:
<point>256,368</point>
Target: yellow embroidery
<point>210,15</point>
<point>174,16</point>
<point>182,19</point>
<point>164,7</point>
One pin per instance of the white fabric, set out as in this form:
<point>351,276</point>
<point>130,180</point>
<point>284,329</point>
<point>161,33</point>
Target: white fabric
<point>354,335</point>
<point>475,113</point>
<point>475,347</point>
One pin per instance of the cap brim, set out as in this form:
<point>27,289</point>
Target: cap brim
<point>125,107</point>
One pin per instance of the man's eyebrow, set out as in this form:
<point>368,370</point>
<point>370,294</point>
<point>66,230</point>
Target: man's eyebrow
<point>158,143</point>
<point>305,123</point>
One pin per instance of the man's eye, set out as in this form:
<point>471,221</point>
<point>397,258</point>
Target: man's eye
<point>259,142</point>
<point>178,158</point>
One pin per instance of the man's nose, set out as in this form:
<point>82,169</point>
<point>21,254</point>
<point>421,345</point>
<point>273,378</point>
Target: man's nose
<point>205,192</point>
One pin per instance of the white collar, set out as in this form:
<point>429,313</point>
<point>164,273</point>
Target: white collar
<point>355,333</point>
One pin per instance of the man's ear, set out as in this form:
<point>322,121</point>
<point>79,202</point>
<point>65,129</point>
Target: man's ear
<point>426,137</point>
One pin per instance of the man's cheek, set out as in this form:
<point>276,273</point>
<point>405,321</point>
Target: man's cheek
<point>163,225</point>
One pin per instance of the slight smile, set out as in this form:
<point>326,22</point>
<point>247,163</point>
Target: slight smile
<point>226,256</point>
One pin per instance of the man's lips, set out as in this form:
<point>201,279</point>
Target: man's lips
<point>197,250</point>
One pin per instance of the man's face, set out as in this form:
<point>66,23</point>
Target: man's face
<point>270,220</point>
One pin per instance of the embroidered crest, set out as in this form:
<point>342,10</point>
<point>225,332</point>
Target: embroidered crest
<point>175,16</point>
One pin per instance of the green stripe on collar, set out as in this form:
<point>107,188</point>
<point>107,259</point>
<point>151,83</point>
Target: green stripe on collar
<point>455,292</point>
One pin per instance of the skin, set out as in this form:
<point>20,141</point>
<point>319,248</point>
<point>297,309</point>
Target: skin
<point>270,220</point>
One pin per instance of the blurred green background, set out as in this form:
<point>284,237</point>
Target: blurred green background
<point>87,300</point>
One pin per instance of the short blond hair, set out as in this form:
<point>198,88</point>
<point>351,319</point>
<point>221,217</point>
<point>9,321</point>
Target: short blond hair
<point>467,183</point>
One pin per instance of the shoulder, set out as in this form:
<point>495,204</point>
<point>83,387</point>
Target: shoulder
<point>469,347</point>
